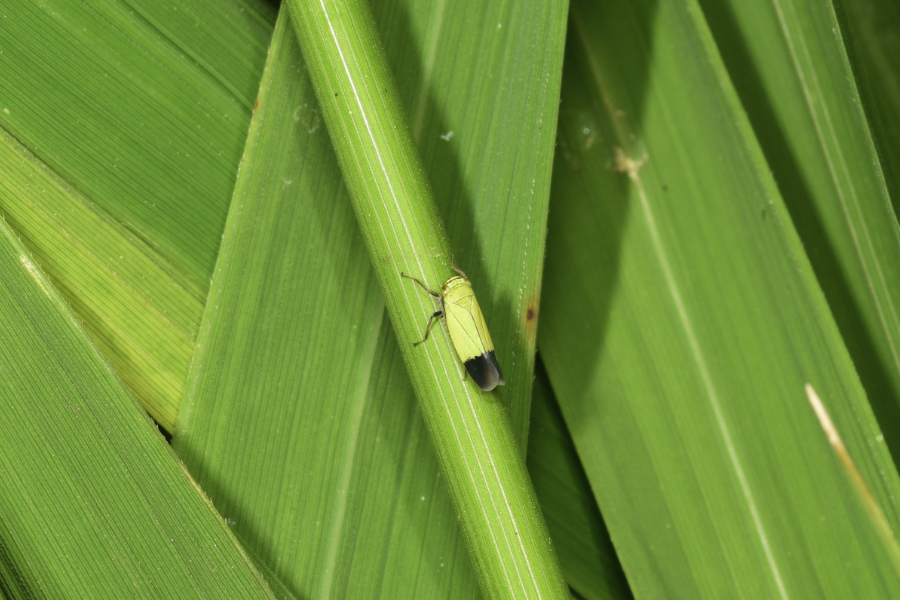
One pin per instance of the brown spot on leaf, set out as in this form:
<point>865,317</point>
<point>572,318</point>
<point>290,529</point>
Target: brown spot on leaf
<point>531,313</point>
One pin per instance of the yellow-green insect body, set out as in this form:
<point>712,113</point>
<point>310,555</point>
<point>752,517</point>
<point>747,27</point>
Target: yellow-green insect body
<point>468,331</point>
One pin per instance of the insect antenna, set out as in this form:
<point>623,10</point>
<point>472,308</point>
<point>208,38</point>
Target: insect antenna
<point>454,267</point>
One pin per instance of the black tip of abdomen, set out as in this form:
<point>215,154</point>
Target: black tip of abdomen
<point>485,371</point>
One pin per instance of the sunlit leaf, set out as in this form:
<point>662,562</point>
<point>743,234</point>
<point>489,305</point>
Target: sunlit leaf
<point>319,287</point>
<point>123,125</point>
<point>93,503</point>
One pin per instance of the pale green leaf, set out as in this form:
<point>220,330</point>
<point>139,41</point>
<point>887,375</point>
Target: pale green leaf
<point>123,126</point>
<point>682,320</point>
<point>480,458</point>
<point>788,63</point>
<point>93,503</point>
<point>334,486</point>
<point>130,297</point>
<point>304,294</point>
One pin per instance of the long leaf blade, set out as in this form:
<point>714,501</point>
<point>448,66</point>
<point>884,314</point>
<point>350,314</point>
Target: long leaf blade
<point>480,459</point>
<point>294,359</point>
<point>360,541</point>
<point>92,501</point>
<point>128,120</point>
<point>794,78</point>
<point>681,323</point>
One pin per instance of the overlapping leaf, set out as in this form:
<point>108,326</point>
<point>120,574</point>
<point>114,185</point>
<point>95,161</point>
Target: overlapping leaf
<point>587,557</point>
<point>682,316</point>
<point>293,360</point>
<point>292,305</point>
<point>682,321</point>
<point>122,127</point>
<point>794,78</point>
<point>93,503</point>
<point>871,33</point>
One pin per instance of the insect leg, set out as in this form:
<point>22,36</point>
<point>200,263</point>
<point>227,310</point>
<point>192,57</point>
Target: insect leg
<point>435,294</point>
<point>431,319</point>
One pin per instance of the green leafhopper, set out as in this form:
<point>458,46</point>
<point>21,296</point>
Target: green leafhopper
<point>468,331</point>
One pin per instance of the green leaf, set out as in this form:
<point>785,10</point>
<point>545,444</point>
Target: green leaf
<point>871,32</point>
<point>93,504</point>
<point>123,125</point>
<point>291,305</point>
<point>682,320</point>
<point>479,457</point>
<point>334,486</point>
<point>793,76</point>
<point>325,485</point>
<point>482,94</point>
<point>588,559</point>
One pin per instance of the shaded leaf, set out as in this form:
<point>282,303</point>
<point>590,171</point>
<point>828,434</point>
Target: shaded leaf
<point>588,559</point>
<point>790,69</point>
<point>871,32</point>
<point>681,323</point>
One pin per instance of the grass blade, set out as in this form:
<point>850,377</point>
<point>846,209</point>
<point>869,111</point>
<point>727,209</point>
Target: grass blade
<point>681,322</point>
<point>194,438</point>
<point>794,78</point>
<point>479,456</point>
<point>334,487</point>
<point>122,126</point>
<point>92,501</point>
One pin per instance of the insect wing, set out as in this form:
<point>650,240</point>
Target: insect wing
<point>472,341</point>
<point>485,371</point>
<point>464,329</point>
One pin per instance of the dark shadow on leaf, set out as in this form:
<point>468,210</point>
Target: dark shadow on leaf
<point>798,196</point>
<point>603,91</point>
